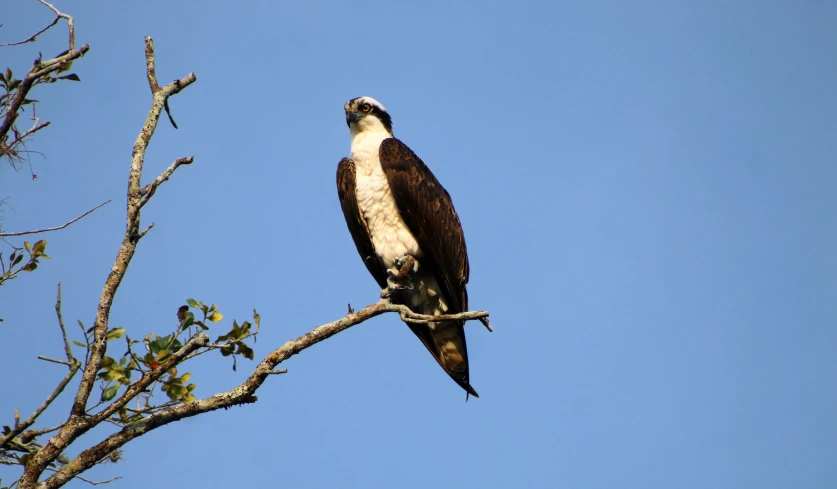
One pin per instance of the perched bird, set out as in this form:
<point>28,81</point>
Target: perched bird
<point>406,231</point>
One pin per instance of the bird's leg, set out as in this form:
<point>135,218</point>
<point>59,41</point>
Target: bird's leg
<point>398,277</point>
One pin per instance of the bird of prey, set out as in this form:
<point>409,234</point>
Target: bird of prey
<point>406,231</point>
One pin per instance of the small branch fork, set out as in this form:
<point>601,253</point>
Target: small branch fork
<point>58,16</point>
<point>39,70</point>
<point>73,365</point>
<point>56,228</point>
<point>242,394</point>
<point>78,422</point>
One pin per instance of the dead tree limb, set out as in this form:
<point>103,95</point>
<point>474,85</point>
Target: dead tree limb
<point>40,69</point>
<point>78,423</point>
<point>241,394</point>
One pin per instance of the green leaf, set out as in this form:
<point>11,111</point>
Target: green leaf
<point>78,343</point>
<point>39,247</point>
<point>115,334</point>
<point>9,76</point>
<point>257,319</point>
<point>215,317</point>
<point>26,245</point>
<point>17,259</point>
<point>185,377</point>
<point>110,376</point>
<point>193,303</point>
<point>110,392</point>
<point>30,267</point>
<point>164,342</point>
<point>245,350</point>
<point>71,76</point>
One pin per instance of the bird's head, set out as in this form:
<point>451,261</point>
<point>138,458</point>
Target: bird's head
<point>367,114</point>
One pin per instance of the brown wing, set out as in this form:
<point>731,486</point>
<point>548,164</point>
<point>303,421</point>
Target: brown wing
<point>428,212</point>
<point>346,191</point>
<point>427,209</point>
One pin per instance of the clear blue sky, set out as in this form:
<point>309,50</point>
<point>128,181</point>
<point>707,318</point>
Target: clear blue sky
<point>647,190</point>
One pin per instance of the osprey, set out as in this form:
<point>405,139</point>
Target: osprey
<point>406,231</point>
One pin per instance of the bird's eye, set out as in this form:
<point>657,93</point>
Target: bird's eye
<point>365,107</point>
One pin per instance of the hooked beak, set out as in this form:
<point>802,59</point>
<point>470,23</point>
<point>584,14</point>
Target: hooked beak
<point>352,117</point>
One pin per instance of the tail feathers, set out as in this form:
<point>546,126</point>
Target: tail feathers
<point>446,342</point>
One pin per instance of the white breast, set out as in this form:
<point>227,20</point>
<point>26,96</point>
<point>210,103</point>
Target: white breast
<point>390,236</point>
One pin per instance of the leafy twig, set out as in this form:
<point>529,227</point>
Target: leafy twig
<point>242,394</point>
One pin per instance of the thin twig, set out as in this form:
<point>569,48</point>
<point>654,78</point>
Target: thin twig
<point>148,190</point>
<point>96,483</point>
<point>31,419</point>
<point>53,360</point>
<point>70,22</point>
<point>31,434</point>
<point>147,228</point>
<point>487,325</point>
<point>22,233</point>
<point>168,113</point>
<point>34,129</point>
<point>35,35</point>
<point>67,349</point>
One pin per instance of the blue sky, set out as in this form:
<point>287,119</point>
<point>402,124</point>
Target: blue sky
<point>647,190</point>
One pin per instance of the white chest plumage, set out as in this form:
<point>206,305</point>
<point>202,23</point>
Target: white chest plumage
<point>390,236</point>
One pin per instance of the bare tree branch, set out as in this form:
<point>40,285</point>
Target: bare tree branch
<point>70,22</point>
<point>26,436</point>
<point>56,228</point>
<point>39,70</point>
<point>148,190</point>
<point>35,128</point>
<point>242,394</point>
<point>67,350</point>
<point>96,483</point>
<point>71,362</point>
<point>78,423</point>
<point>35,35</point>
<point>31,419</point>
<point>53,360</point>
<point>132,235</point>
